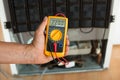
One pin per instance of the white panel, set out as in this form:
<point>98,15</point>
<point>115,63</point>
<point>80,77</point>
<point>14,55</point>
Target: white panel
<point>115,28</point>
<point>114,34</point>
<point>3,19</point>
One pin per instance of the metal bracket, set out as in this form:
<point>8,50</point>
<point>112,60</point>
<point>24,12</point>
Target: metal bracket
<point>8,25</point>
<point>112,18</point>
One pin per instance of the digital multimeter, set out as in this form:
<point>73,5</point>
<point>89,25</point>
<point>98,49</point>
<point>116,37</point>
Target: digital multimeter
<point>56,31</point>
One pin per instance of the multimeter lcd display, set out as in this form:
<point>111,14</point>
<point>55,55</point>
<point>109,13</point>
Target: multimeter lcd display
<point>57,22</point>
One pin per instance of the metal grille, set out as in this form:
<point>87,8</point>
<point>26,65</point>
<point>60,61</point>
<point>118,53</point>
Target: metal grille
<point>26,15</point>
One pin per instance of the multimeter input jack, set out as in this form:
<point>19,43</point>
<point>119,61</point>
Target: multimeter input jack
<point>60,44</point>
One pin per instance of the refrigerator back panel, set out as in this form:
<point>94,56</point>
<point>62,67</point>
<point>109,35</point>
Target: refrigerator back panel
<point>26,15</point>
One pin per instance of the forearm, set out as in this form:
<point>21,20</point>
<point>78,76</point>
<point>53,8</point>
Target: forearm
<point>26,54</point>
<point>16,53</point>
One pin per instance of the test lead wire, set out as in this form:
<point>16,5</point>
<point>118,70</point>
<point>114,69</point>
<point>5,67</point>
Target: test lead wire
<point>65,62</point>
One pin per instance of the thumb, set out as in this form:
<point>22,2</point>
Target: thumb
<point>42,26</point>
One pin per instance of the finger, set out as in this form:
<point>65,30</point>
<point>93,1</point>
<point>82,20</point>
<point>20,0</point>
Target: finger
<point>46,60</point>
<point>67,45</point>
<point>67,41</point>
<point>49,59</point>
<point>42,26</point>
<point>67,50</point>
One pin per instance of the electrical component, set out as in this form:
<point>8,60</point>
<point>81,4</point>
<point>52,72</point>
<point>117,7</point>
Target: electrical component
<point>56,34</point>
<point>70,65</point>
<point>98,52</point>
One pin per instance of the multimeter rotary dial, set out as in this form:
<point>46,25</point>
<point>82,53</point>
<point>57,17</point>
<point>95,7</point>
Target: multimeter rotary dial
<point>56,35</point>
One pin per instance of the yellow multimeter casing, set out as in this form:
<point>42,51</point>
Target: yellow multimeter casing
<point>56,32</point>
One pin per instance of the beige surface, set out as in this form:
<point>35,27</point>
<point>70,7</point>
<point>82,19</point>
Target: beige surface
<point>113,73</point>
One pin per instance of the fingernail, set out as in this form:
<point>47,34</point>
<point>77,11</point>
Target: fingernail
<point>45,18</point>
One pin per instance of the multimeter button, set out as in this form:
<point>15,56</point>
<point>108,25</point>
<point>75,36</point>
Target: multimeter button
<point>56,35</point>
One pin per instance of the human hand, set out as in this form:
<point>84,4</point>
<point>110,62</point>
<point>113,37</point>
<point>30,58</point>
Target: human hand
<point>37,46</point>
